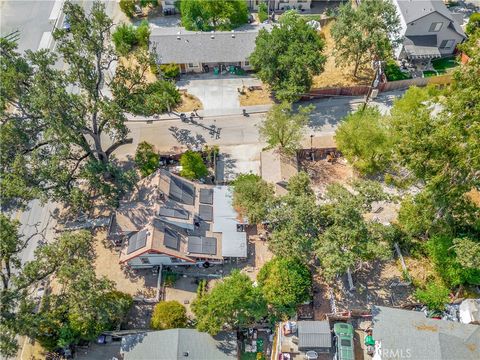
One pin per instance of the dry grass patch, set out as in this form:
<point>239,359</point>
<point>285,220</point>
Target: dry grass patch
<point>335,75</point>
<point>421,270</point>
<point>189,103</point>
<point>130,62</point>
<point>257,96</point>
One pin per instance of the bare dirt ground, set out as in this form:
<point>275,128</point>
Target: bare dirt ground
<point>321,297</point>
<point>256,97</point>
<point>139,283</point>
<point>189,103</point>
<point>258,251</point>
<point>379,283</point>
<point>335,75</point>
<point>323,173</point>
<point>184,291</point>
<point>421,270</point>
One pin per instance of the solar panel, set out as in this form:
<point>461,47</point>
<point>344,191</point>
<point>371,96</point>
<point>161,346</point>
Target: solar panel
<point>182,191</point>
<point>206,196</point>
<point>202,245</point>
<point>170,239</point>
<point>137,241</point>
<point>205,212</point>
<point>175,213</point>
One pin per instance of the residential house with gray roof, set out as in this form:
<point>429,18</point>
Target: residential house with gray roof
<point>405,334</point>
<point>179,344</point>
<point>428,28</point>
<point>169,220</point>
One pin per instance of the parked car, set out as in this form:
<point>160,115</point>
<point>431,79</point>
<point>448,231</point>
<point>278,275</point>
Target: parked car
<point>344,341</point>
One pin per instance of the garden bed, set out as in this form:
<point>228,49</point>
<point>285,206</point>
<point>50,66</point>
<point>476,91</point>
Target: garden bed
<point>393,72</point>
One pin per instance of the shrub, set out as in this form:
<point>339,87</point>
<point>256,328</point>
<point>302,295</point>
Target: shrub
<point>193,166</point>
<point>169,315</point>
<point>143,34</point>
<point>393,72</point>
<point>473,23</point>
<point>146,158</point>
<point>128,7</point>
<point>262,12</point>
<point>124,38</point>
<point>435,296</point>
<point>170,71</point>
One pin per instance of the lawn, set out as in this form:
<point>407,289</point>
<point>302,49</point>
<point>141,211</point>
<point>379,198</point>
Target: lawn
<point>442,64</point>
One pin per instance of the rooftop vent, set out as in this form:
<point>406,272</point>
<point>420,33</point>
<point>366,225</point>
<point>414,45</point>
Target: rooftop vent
<point>233,33</point>
<point>212,36</point>
<point>178,35</point>
<point>185,354</point>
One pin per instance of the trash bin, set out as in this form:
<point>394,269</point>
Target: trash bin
<point>216,70</point>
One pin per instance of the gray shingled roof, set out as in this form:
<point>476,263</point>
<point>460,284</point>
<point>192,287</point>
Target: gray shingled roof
<point>176,343</point>
<point>200,47</point>
<point>425,45</point>
<point>405,331</point>
<point>314,334</point>
<point>416,9</point>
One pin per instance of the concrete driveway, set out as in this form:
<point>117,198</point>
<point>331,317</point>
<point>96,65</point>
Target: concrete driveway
<point>216,91</point>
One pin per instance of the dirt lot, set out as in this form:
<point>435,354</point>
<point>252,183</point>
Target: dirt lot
<point>139,283</point>
<point>256,97</point>
<point>323,173</point>
<point>335,75</point>
<point>380,283</point>
<point>189,103</point>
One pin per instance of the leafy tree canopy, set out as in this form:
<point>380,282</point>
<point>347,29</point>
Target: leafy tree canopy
<point>285,283</point>
<point>288,56</point>
<point>126,37</point>
<point>146,158</point>
<point>251,196</point>
<point>233,302</point>
<point>169,315</point>
<point>283,127</point>
<point>193,166</point>
<point>58,129</point>
<point>205,15</point>
<point>365,33</point>
<point>364,139</point>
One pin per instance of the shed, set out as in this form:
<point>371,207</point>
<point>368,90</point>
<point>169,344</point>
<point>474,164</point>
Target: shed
<point>314,335</point>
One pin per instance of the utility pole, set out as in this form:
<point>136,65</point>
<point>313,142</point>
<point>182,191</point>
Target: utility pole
<point>377,65</point>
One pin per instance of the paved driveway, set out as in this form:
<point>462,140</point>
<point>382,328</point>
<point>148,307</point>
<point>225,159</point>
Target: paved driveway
<point>216,91</point>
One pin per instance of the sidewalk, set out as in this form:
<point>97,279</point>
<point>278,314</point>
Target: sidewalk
<point>256,109</point>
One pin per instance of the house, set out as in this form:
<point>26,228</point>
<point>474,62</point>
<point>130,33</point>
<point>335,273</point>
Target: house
<point>402,334</point>
<point>300,339</point>
<point>280,5</point>
<point>198,52</point>
<point>179,344</point>
<point>428,28</point>
<point>170,220</point>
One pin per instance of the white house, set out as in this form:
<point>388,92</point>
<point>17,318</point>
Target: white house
<point>428,28</point>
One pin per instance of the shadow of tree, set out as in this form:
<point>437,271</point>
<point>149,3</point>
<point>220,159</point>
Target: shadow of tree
<point>185,137</point>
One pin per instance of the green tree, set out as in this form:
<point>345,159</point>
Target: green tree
<point>146,158</point>
<point>169,315</point>
<point>203,15</point>
<point>262,12</point>
<point>299,185</point>
<point>124,38</point>
<point>435,296</point>
<point>468,252</point>
<point>193,166</point>
<point>283,127</point>
<point>348,239</point>
<point>285,284</point>
<point>364,139</point>
<point>58,139</point>
<point>251,196</point>
<point>233,303</point>
<point>296,223</point>
<point>128,7</point>
<point>473,24</point>
<point>288,56</point>
<point>358,39</point>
